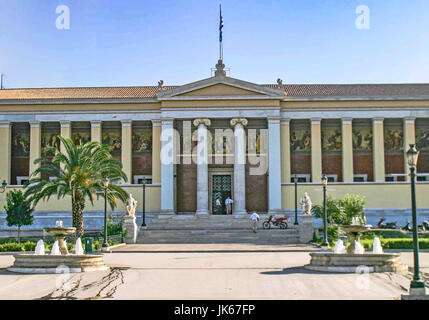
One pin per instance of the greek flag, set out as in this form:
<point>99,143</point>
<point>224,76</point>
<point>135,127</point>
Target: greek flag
<point>220,24</point>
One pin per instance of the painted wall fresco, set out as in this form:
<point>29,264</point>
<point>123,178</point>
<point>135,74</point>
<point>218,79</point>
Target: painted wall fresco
<point>81,137</point>
<point>422,139</point>
<point>331,138</point>
<point>49,140</point>
<point>112,137</point>
<point>300,139</point>
<point>142,140</point>
<point>393,137</point>
<point>20,143</point>
<point>362,138</point>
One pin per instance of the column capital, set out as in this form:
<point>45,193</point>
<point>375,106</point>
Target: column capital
<point>156,122</point>
<point>316,121</point>
<point>65,123</point>
<point>202,121</point>
<point>167,121</point>
<point>34,124</point>
<point>285,121</point>
<point>95,123</point>
<point>377,120</point>
<point>410,120</point>
<point>273,120</point>
<point>127,123</point>
<point>5,124</point>
<point>235,121</point>
<point>346,120</point>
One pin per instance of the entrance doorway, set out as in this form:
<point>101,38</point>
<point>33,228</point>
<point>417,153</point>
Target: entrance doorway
<point>220,188</point>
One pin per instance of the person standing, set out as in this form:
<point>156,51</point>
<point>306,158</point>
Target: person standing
<point>218,206</point>
<point>228,204</point>
<point>255,220</point>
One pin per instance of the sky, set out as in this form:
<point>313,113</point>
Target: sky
<point>139,42</point>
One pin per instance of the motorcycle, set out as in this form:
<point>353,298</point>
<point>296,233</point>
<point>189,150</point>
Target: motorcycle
<point>423,227</point>
<point>387,225</point>
<point>278,222</point>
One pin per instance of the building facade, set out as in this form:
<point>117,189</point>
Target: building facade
<point>221,137</point>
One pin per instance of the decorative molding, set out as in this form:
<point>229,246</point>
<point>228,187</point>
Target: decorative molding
<point>167,121</point>
<point>126,123</point>
<point>156,122</point>
<point>377,120</point>
<point>65,123</point>
<point>95,124</point>
<point>285,122</point>
<point>5,124</point>
<point>242,121</point>
<point>34,124</point>
<point>316,121</point>
<point>202,121</point>
<point>409,120</point>
<point>347,121</point>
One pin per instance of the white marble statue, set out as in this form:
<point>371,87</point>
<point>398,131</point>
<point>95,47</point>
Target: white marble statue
<point>131,206</point>
<point>306,204</point>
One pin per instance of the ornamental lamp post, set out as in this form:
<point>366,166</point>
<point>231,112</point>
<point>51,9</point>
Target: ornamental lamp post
<point>106,185</point>
<point>296,199</point>
<point>325,215</point>
<point>144,204</point>
<point>417,286</point>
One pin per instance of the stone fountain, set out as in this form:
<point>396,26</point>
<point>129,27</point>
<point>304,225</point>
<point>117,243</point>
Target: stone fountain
<point>354,258</point>
<point>59,259</point>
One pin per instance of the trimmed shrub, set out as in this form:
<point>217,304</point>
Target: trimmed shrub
<point>397,243</point>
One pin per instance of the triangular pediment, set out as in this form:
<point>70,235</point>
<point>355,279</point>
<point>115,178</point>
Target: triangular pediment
<point>220,88</point>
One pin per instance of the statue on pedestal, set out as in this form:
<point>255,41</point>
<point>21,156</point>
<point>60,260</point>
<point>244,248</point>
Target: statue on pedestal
<point>306,204</point>
<point>131,207</point>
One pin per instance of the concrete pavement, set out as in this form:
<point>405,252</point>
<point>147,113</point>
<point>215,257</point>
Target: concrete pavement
<point>206,272</point>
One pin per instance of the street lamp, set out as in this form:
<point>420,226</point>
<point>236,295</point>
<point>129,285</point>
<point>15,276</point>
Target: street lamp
<point>3,186</point>
<point>325,215</point>
<point>144,203</point>
<point>106,185</point>
<point>417,286</point>
<point>296,199</point>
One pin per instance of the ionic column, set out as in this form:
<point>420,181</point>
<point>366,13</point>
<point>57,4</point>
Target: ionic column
<point>5,155</point>
<point>65,132</point>
<point>378,149</point>
<point>167,166</point>
<point>347,138</point>
<point>274,167</point>
<point>126,148</point>
<point>285,147</point>
<point>156,151</point>
<point>35,145</point>
<point>409,138</point>
<point>96,131</point>
<point>202,166</point>
<point>239,205</point>
<point>316,151</point>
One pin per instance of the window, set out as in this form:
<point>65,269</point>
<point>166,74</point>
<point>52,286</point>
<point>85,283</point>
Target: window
<point>21,180</point>
<point>360,178</point>
<point>391,178</point>
<point>138,179</point>
<point>422,177</point>
<point>301,178</point>
<point>332,177</point>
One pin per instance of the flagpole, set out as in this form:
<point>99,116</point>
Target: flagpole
<point>220,33</point>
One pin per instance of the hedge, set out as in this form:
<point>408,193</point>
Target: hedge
<point>400,243</point>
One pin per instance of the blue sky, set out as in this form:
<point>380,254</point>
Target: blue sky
<point>121,43</point>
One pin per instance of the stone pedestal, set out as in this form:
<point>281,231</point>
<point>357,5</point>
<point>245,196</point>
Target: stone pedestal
<point>305,229</point>
<point>130,224</point>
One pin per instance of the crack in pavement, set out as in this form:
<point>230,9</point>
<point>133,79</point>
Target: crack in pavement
<point>111,281</point>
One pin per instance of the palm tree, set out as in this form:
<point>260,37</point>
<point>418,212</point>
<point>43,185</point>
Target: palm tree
<point>78,173</point>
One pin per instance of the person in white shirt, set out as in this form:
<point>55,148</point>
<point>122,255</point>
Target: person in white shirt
<point>255,219</point>
<point>228,204</point>
<point>218,206</point>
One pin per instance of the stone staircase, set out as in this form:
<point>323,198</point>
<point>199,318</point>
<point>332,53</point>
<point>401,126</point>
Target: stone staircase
<point>213,229</point>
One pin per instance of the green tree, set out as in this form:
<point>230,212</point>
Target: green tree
<point>353,206</point>
<point>79,172</point>
<point>18,210</point>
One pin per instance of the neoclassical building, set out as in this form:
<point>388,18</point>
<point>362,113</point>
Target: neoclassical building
<point>356,134</point>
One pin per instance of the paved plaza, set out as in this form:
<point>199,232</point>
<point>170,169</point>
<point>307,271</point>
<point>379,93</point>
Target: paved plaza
<point>206,272</point>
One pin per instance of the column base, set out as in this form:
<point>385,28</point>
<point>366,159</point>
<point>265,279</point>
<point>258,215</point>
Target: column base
<point>202,212</point>
<point>167,212</point>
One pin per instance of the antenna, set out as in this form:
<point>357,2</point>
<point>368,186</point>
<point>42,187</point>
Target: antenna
<point>1,81</point>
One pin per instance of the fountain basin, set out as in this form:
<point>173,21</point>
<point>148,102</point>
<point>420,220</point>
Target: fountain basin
<point>349,263</point>
<point>31,263</point>
<point>353,234</point>
<point>59,234</point>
